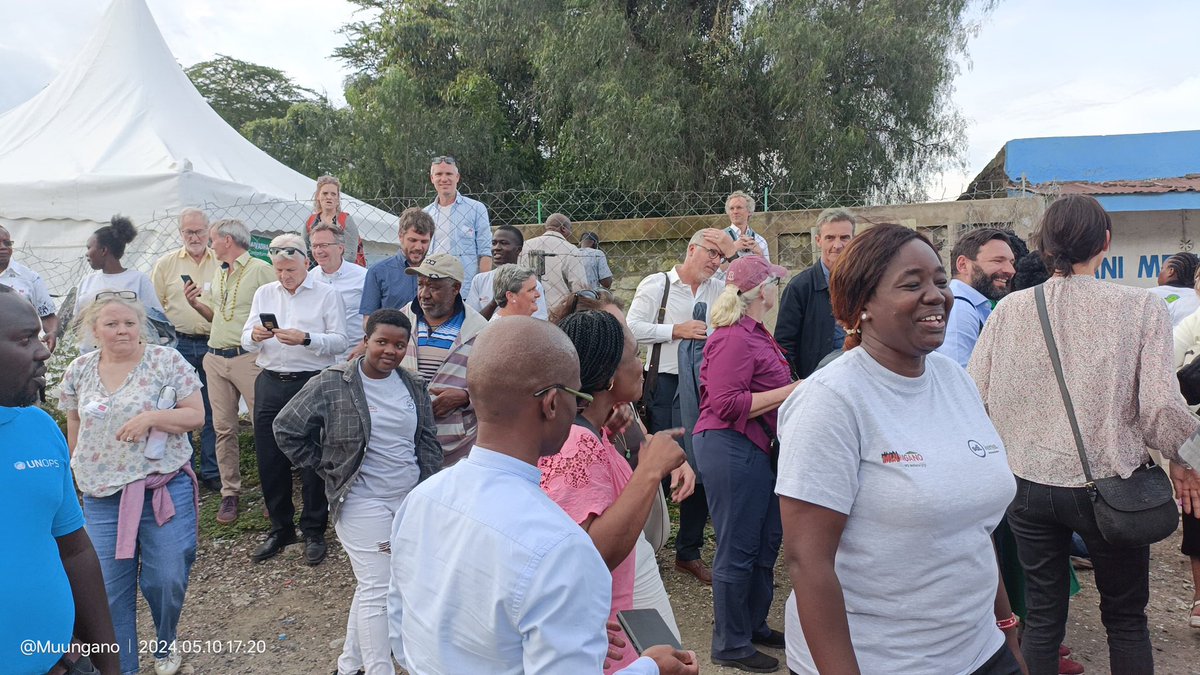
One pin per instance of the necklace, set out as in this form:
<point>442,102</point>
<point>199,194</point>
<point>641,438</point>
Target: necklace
<point>226,310</point>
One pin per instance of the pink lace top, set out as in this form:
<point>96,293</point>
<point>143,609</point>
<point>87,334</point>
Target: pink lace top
<point>585,479</point>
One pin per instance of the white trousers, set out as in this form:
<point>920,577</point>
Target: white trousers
<point>364,527</point>
<point>648,589</point>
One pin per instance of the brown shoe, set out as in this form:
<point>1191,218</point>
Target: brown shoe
<point>228,513</point>
<point>696,568</point>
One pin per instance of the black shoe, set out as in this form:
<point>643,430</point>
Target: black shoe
<point>276,542</point>
<point>211,484</point>
<point>774,640</point>
<point>314,549</point>
<point>757,662</point>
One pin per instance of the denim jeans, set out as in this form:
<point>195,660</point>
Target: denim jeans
<point>1042,518</point>
<point>193,352</point>
<point>165,555</point>
<point>745,514</point>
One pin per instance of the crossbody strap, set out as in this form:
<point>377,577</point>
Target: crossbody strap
<point>656,350</point>
<point>1039,294</point>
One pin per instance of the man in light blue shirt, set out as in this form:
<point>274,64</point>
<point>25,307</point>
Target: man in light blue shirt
<point>462,227</point>
<point>983,265</point>
<point>488,574</point>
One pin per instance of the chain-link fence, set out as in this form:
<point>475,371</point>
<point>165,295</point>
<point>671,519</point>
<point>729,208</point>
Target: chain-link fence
<point>640,232</point>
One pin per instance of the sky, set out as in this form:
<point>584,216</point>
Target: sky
<point>1035,68</point>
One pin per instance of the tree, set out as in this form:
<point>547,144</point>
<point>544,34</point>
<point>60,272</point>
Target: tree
<point>241,92</point>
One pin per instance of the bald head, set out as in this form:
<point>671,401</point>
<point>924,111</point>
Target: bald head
<point>512,359</point>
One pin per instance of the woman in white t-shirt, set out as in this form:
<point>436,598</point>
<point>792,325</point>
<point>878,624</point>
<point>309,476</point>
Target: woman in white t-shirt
<point>105,248</point>
<point>366,427</point>
<point>891,480</point>
<point>1175,286</point>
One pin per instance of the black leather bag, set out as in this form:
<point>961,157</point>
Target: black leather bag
<point>1130,512</point>
<point>1189,381</point>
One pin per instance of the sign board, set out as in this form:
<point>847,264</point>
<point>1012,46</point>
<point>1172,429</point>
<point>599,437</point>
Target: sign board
<point>258,247</point>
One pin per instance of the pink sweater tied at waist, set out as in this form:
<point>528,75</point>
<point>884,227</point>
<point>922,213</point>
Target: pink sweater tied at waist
<point>133,497</point>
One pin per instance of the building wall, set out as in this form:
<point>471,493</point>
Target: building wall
<point>1142,240</point>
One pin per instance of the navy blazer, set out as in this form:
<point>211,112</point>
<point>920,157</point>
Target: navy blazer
<point>804,327</point>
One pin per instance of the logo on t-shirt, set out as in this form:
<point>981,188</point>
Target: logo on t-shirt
<point>48,463</point>
<point>907,459</point>
<point>980,450</point>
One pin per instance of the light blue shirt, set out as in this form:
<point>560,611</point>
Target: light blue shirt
<point>491,576</point>
<point>467,234</point>
<point>971,309</point>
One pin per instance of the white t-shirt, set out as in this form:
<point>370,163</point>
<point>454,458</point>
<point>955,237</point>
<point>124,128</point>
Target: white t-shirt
<point>1181,301</point>
<point>389,469</point>
<point>922,475</point>
<point>482,292</point>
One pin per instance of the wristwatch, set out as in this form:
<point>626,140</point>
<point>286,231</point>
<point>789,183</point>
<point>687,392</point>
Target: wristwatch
<point>307,339</point>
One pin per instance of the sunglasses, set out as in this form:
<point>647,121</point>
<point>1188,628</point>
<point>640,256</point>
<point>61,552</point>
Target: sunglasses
<point>286,250</point>
<point>581,399</point>
<point>123,295</point>
<point>7,243</point>
<point>443,159</point>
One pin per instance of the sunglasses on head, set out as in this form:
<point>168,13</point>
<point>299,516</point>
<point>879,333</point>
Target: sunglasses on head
<point>581,399</point>
<point>443,159</point>
<point>287,250</point>
<point>124,295</point>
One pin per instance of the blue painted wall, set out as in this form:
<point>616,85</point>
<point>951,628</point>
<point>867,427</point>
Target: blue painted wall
<point>1101,158</point>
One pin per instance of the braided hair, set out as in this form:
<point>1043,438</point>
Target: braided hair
<point>1184,266</point>
<point>600,342</point>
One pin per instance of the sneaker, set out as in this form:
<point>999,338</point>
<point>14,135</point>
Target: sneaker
<point>169,664</point>
<point>1194,619</point>
<point>757,662</point>
<point>228,513</point>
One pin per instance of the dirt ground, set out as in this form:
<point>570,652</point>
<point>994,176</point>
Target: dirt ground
<point>285,618</point>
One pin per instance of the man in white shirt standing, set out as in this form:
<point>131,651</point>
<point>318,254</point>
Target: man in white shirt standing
<point>298,327</point>
<point>488,574</point>
<point>347,278</point>
<point>689,283</point>
<point>739,206</point>
<point>562,271</point>
<point>29,285</point>
<point>461,224</point>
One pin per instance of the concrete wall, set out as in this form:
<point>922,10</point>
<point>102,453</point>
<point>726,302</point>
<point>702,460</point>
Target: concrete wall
<point>1142,240</point>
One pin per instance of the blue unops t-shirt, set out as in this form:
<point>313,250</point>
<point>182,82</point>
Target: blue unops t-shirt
<point>38,503</point>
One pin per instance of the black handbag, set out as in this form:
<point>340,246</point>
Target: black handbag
<point>1189,381</point>
<point>1130,512</point>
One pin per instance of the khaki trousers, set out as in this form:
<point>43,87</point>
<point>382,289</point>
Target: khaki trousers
<point>229,379</point>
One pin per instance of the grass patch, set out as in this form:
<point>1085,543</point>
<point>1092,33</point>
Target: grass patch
<point>250,518</point>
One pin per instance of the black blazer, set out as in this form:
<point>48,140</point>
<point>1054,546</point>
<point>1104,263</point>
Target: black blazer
<point>804,327</point>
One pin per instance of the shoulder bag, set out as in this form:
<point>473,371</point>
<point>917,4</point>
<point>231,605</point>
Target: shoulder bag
<point>650,382</point>
<point>1189,378</point>
<point>1130,512</point>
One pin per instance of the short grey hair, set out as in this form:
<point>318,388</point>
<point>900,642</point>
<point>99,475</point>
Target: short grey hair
<point>288,240</point>
<point>509,278</point>
<point>191,211</point>
<point>234,229</point>
<point>558,221</point>
<point>738,194</point>
<point>339,236</point>
<point>834,215</point>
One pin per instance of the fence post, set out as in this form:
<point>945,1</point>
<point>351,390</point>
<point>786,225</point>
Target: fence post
<point>539,212</point>
<point>766,193</point>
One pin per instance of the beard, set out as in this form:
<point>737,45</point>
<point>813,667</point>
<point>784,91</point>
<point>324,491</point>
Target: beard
<point>985,283</point>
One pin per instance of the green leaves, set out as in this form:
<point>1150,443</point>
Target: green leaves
<point>242,92</point>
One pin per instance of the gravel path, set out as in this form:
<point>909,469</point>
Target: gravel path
<point>285,618</point>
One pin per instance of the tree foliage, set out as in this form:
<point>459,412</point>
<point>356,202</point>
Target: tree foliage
<point>814,95</point>
<point>242,92</point>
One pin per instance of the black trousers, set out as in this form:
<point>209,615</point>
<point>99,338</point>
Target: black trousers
<point>275,469</point>
<point>693,511</point>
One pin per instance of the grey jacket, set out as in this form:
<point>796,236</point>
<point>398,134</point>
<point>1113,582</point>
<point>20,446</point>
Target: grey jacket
<point>325,427</point>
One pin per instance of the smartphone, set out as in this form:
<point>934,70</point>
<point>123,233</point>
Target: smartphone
<point>646,628</point>
<point>187,279</point>
<point>268,321</point>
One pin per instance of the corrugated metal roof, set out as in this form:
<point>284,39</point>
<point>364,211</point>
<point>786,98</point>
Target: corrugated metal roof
<point>1188,183</point>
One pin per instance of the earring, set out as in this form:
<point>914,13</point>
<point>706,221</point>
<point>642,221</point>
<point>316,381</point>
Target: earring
<point>611,383</point>
<point>863,317</point>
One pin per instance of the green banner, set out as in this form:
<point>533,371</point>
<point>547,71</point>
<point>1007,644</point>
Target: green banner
<point>258,247</point>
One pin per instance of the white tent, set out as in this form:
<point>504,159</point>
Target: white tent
<point>122,130</point>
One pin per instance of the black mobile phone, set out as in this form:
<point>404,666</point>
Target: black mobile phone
<point>187,279</point>
<point>646,628</point>
<point>268,321</point>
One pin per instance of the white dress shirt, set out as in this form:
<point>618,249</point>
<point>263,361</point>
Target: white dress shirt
<point>314,308</point>
<point>491,576</point>
<point>736,232</point>
<point>348,281</point>
<point>644,310</point>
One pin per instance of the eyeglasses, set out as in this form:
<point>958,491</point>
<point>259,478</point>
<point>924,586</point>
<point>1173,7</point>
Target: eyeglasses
<point>7,243</point>
<point>589,293</point>
<point>124,295</point>
<point>712,253</point>
<point>322,247</point>
<point>286,250</point>
<point>194,234</point>
<point>443,159</point>
<point>580,397</point>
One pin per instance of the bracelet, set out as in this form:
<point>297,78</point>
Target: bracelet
<point>1011,622</point>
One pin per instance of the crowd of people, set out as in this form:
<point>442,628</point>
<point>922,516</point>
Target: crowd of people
<point>475,418</point>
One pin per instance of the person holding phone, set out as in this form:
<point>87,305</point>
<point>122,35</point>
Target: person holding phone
<point>297,325</point>
<point>179,277</point>
<point>588,478</point>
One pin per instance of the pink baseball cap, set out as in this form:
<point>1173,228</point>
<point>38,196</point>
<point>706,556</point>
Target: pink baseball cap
<point>749,271</point>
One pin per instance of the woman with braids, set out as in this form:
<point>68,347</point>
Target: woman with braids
<point>589,479</point>
<point>105,248</point>
<point>743,379</point>
<point>891,481</point>
<point>1176,285</point>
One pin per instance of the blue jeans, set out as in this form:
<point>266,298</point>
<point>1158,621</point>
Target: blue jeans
<point>1042,518</point>
<point>193,352</point>
<point>740,486</point>
<point>165,555</point>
